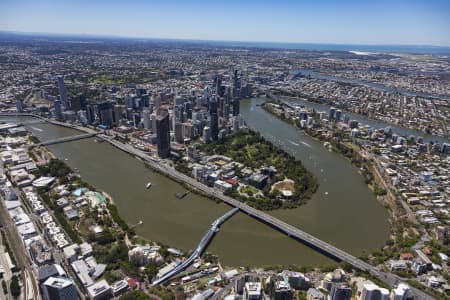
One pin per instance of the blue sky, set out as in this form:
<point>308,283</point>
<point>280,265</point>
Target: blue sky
<point>395,22</point>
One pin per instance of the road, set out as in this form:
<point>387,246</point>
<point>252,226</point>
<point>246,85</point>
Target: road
<point>289,230</point>
<point>58,255</point>
<point>7,272</point>
<point>386,184</point>
<point>17,246</point>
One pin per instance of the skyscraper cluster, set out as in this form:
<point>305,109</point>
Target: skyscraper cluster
<point>168,115</point>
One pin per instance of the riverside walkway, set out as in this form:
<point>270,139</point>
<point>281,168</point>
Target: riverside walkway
<point>291,231</point>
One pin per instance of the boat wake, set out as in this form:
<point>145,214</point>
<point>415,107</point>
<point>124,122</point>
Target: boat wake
<point>306,144</point>
<point>293,143</point>
<point>37,129</point>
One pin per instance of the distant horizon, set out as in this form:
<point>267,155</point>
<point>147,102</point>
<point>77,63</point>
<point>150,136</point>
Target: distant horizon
<point>92,35</point>
<point>345,22</point>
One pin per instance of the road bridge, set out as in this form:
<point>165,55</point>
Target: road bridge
<point>289,230</point>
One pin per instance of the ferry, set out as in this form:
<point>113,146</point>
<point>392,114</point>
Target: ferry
<point>148,185</point>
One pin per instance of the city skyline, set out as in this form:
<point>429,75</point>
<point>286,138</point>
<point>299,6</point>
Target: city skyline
<point>323,22</point>
<point>249,149</point>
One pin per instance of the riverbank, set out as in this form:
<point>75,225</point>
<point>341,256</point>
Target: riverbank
<point>108,239</point>
<point>125,181</point>
<point>405,126</point>
<point>354,155</point>
<point>271,156</point>
<point>353,186</point>
<point>76,152</point>
<point>351,153</point>
<point>405,230</point>
<point>367,120</point>
<point>327,265</point>
<point>261,168</point>
<point>61,211</point>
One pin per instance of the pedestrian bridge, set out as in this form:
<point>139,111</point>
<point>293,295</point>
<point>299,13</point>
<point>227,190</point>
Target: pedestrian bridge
<point>64,139</point>
<point>199,250</point>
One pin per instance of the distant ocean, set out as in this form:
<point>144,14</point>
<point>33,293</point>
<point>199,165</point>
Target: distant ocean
<point>421,49</point>
<point>338,47</point>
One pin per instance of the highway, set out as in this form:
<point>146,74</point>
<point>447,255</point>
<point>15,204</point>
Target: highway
<point>199,250</point>
<point>260,215</point>
<point>289,230</point>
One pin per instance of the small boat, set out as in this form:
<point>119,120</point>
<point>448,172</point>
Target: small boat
<point>181,195</point>
<point>148,185</point>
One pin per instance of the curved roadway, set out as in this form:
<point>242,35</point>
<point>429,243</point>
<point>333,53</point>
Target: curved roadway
<point>291,231</point>
<point>199,250</point>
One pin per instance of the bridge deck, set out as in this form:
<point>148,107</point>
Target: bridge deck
<point>64,139</point>
<point>199,250</point>
<point>290,230</point>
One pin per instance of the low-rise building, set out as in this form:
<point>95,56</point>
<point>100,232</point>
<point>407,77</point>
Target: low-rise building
<point>340,292</point>
<point>296,280</point>
<point>372,291</point>
<point>222,185</point>
<point>120,287</point>
<point>398,265</point>
<point>281,290</point>
<point>71,252</point>
<point>259,181</point>
<point>206,294</point>
<point>401,292</point>
<point>313,294</point>
<point>252,291</point>
<point>100,290</point>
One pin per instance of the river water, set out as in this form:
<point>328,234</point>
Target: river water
<point>375,85</point>
<point>343,211</point>
<point>376,124</point>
